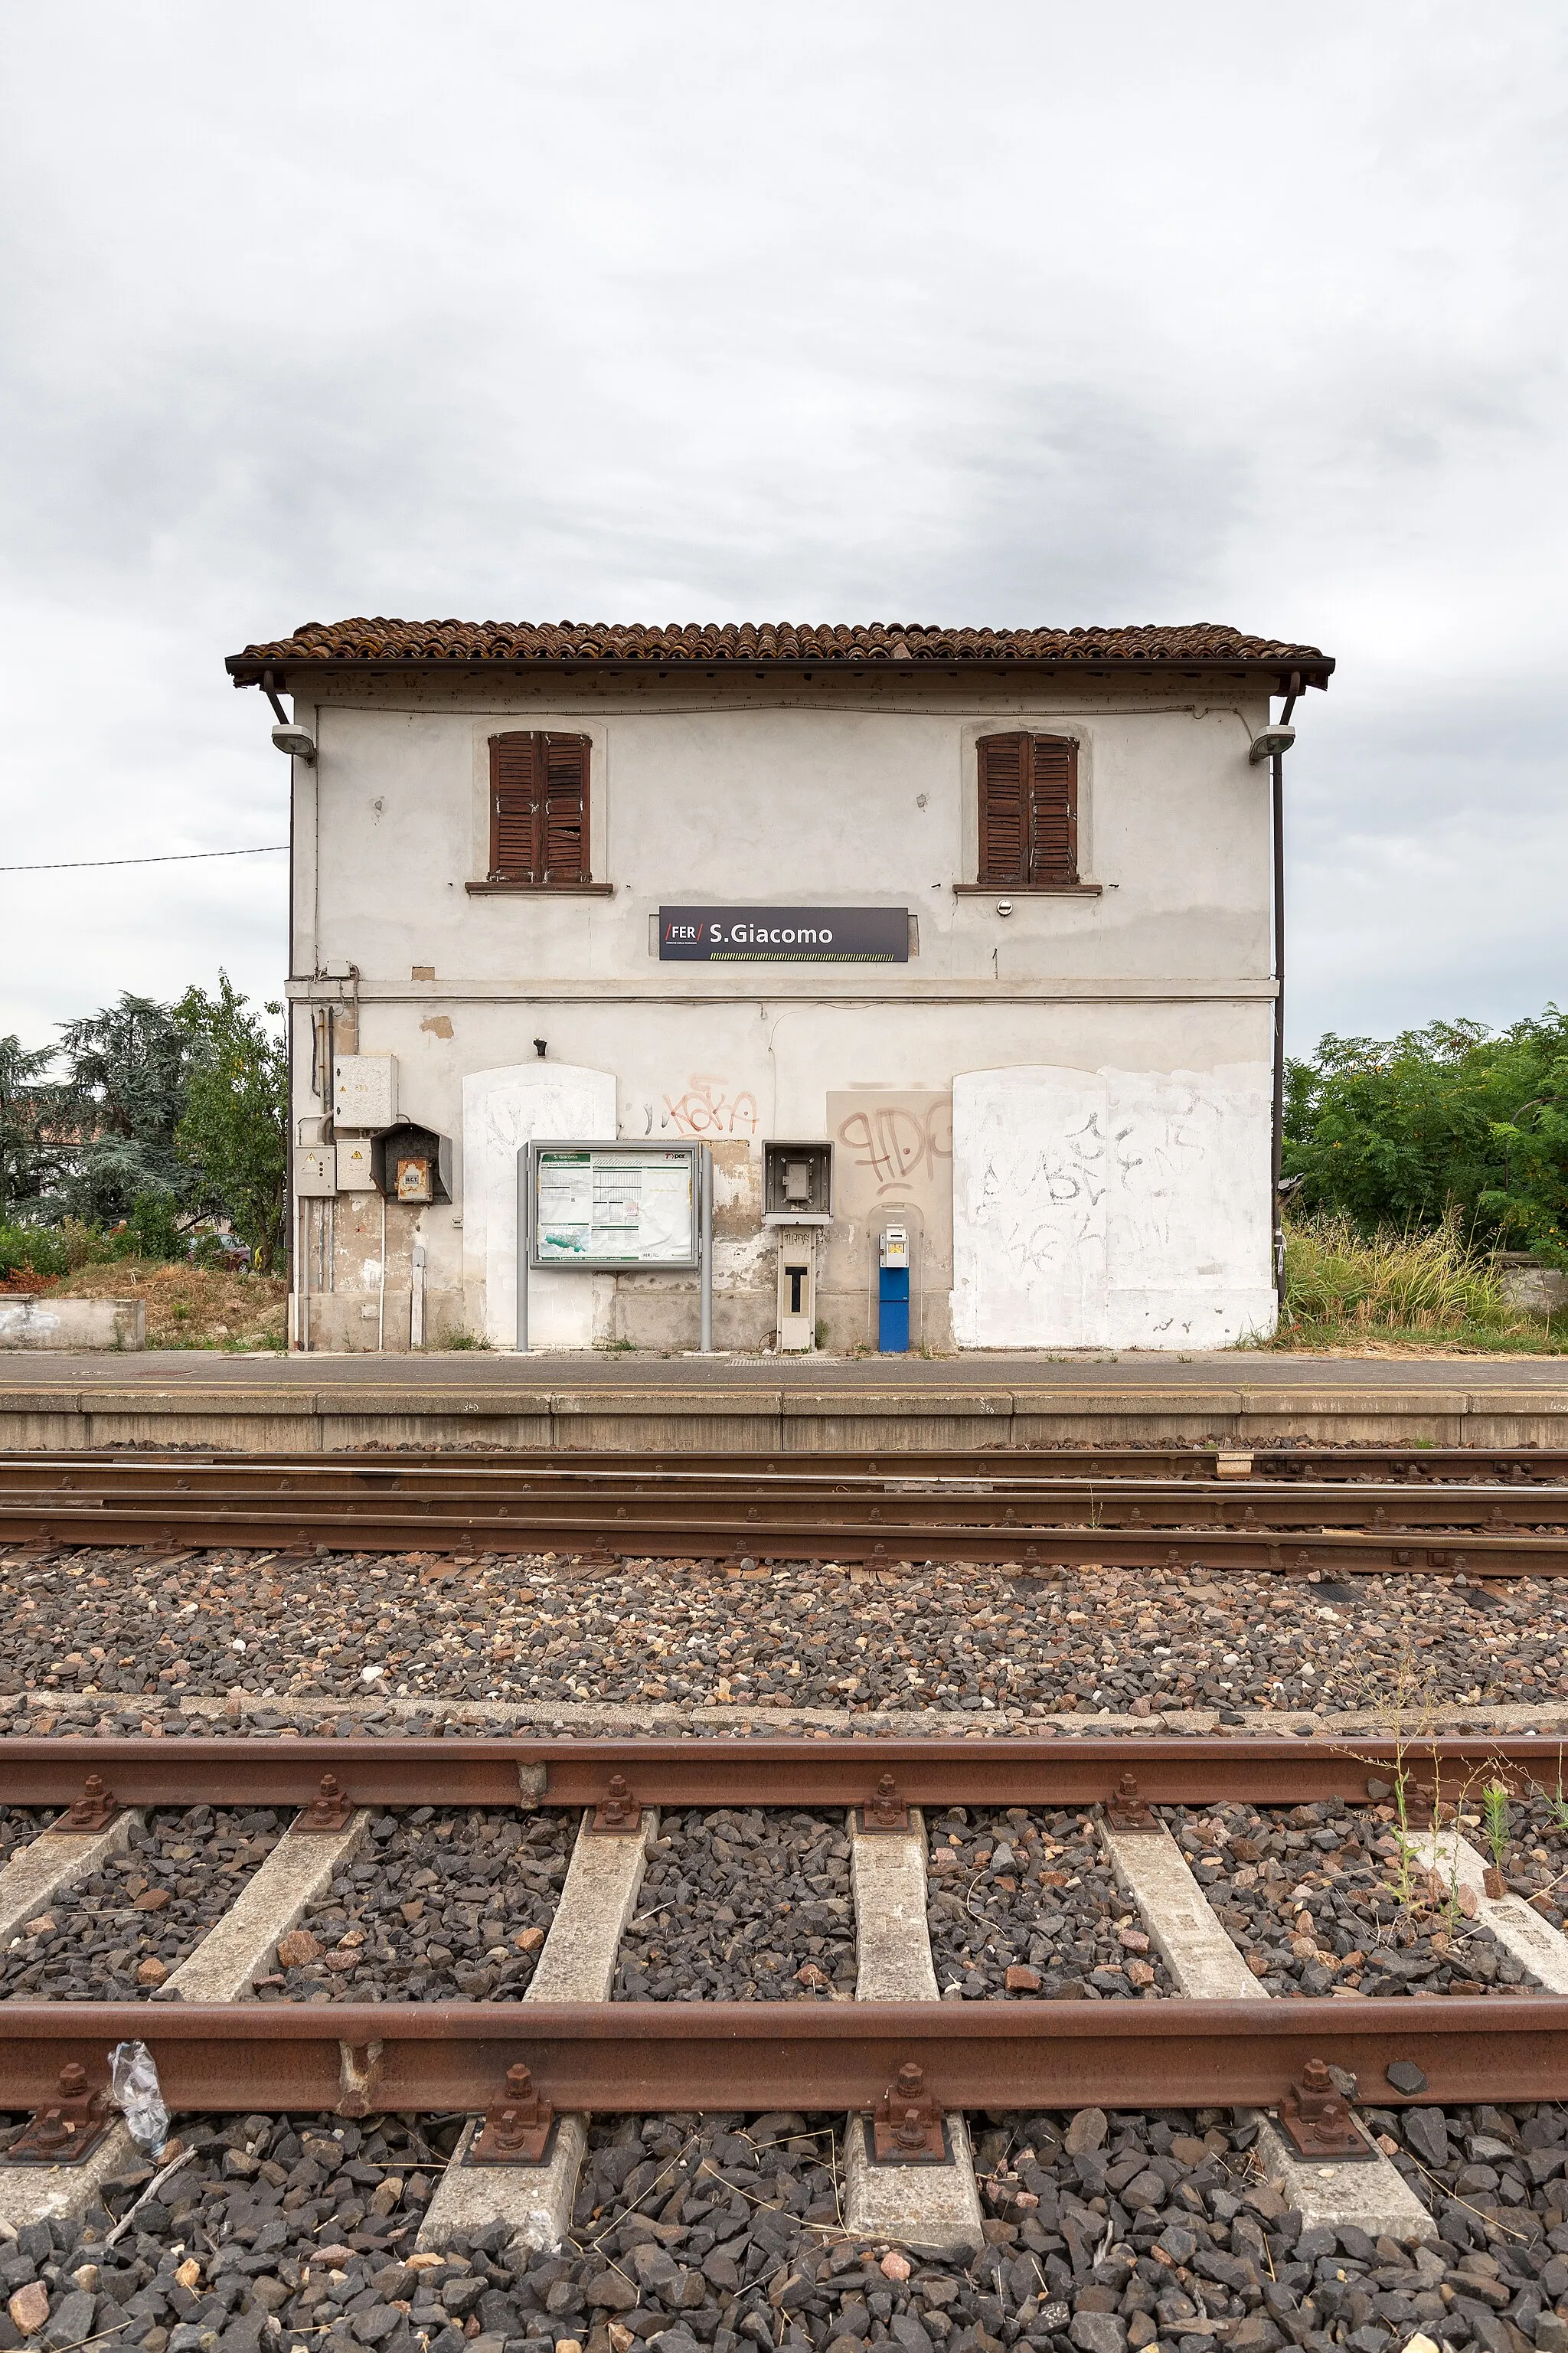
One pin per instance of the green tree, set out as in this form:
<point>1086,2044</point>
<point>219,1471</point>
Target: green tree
<point>125,1089</point>
<point>233,1136</point>
<point>29,1156</point>
<point>1445,1120</point>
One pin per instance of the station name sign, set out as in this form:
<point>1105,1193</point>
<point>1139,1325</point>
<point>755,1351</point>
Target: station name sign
<point>783,934</point>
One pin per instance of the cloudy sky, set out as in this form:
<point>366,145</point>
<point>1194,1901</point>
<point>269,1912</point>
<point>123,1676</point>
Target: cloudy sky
<point>1017,314</point>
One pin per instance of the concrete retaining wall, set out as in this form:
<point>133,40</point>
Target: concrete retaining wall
<point>758,1418</point>
<point>42,1321</point>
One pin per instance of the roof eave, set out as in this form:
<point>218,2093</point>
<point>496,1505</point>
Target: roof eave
<point>246,670</point>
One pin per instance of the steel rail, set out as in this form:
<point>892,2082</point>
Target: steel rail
<point>356,2058</point>
<point>299,1523</point>
<point>997,1466</point>
<point>1130,1504</point>
<point>275,1770</point>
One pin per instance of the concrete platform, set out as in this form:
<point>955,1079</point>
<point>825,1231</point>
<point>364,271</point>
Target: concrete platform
<point>750,1405</point>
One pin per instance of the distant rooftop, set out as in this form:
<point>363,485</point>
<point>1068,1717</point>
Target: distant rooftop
<point>560,645</point>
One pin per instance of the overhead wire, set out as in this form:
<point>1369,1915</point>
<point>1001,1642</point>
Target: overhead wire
<point>161,858</point>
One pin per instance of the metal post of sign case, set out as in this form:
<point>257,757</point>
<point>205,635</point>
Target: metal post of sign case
<point>524,1241</point>
<point>705,1340</point>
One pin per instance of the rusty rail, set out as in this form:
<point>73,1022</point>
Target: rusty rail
<point>1251,1529</point>
<point>647,2057</point>
<point>1005,1771</point>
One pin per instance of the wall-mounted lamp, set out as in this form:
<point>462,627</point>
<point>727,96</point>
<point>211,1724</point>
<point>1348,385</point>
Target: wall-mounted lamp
<point>540,1045</point>
<point>1270,744</point>
<point>297,742</point>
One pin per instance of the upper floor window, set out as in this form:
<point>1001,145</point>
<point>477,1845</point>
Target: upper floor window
<point>1028,811</point>
<point>539,810</point>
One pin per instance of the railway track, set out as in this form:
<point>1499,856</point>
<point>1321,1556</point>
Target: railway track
<point>915,2077</point>
<point>1489,1516</point>
<point>218,2049</point>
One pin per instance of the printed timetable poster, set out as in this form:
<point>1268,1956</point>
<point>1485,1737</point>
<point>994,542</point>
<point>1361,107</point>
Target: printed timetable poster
<point>614,1208</point>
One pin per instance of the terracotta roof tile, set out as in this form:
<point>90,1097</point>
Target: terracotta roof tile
<point>515,643</point>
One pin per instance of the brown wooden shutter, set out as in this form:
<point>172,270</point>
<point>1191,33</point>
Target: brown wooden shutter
<point>539,809</point>
<point>565,825</point>
<point>1028,809</point>
<point>1053,810</point>
<point>1004,764</point>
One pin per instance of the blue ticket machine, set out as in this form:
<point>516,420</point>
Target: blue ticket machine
<point>893,1293</point>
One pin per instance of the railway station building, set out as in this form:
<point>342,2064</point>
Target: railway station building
<point>952,953</point>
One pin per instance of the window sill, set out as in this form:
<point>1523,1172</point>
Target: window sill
<point>540,890</point>
<point>1028,890</point>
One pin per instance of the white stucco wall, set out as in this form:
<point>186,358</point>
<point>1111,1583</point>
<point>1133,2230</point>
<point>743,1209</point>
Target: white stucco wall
<point>1147,1003</point>
<point>1112,1208</point>
<point>504,1110</point>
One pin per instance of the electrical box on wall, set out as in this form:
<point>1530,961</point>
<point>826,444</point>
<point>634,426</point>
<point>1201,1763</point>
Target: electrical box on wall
<point>797,1291</point>
<point>364,1090</point>
<point>413,1164</point>
<point>356,1172</point>
<point>315,1172</point>
<point>797,1184</point>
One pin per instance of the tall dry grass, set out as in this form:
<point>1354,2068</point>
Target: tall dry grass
<point>1334,1274</point>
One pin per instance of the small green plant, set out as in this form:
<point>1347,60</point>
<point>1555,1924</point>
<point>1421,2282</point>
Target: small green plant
<point>1494,1815</point>
<point>461,1339</point>
<point>40,1249</point>
<point>620,1347</point>
<point>1557,1800</point>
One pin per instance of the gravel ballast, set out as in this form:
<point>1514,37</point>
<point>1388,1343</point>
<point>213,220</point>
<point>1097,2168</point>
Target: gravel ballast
<point>970,1640</point>
<point>119,1933</point>
<point>20,1825</point>
<point>436,1906</point>
<point>1024,1905</point>
<point>739,1904</point>
<point>1321,1898</point>
<point>1106,2235</point>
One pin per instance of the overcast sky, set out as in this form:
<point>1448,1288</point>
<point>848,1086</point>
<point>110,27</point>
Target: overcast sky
<point>1017,314</point>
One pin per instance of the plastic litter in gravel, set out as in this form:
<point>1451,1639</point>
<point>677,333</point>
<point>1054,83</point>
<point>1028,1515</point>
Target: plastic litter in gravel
<point>1322,1896</point>
<point>1023,1905</point>
<point>742,1906</point>
<point>119,1933</point>
<point>352,1626</point>
<point>436,1907</point>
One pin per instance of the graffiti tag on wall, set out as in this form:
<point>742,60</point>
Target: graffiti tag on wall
<point>897,1144</point>
<point>707,1108</point>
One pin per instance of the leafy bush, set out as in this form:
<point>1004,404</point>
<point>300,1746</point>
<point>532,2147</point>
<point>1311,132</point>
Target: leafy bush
<point>151,1231</point>
<point>1440,1123</point>
<point>38,1247</point>
<point>84,1245</point>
